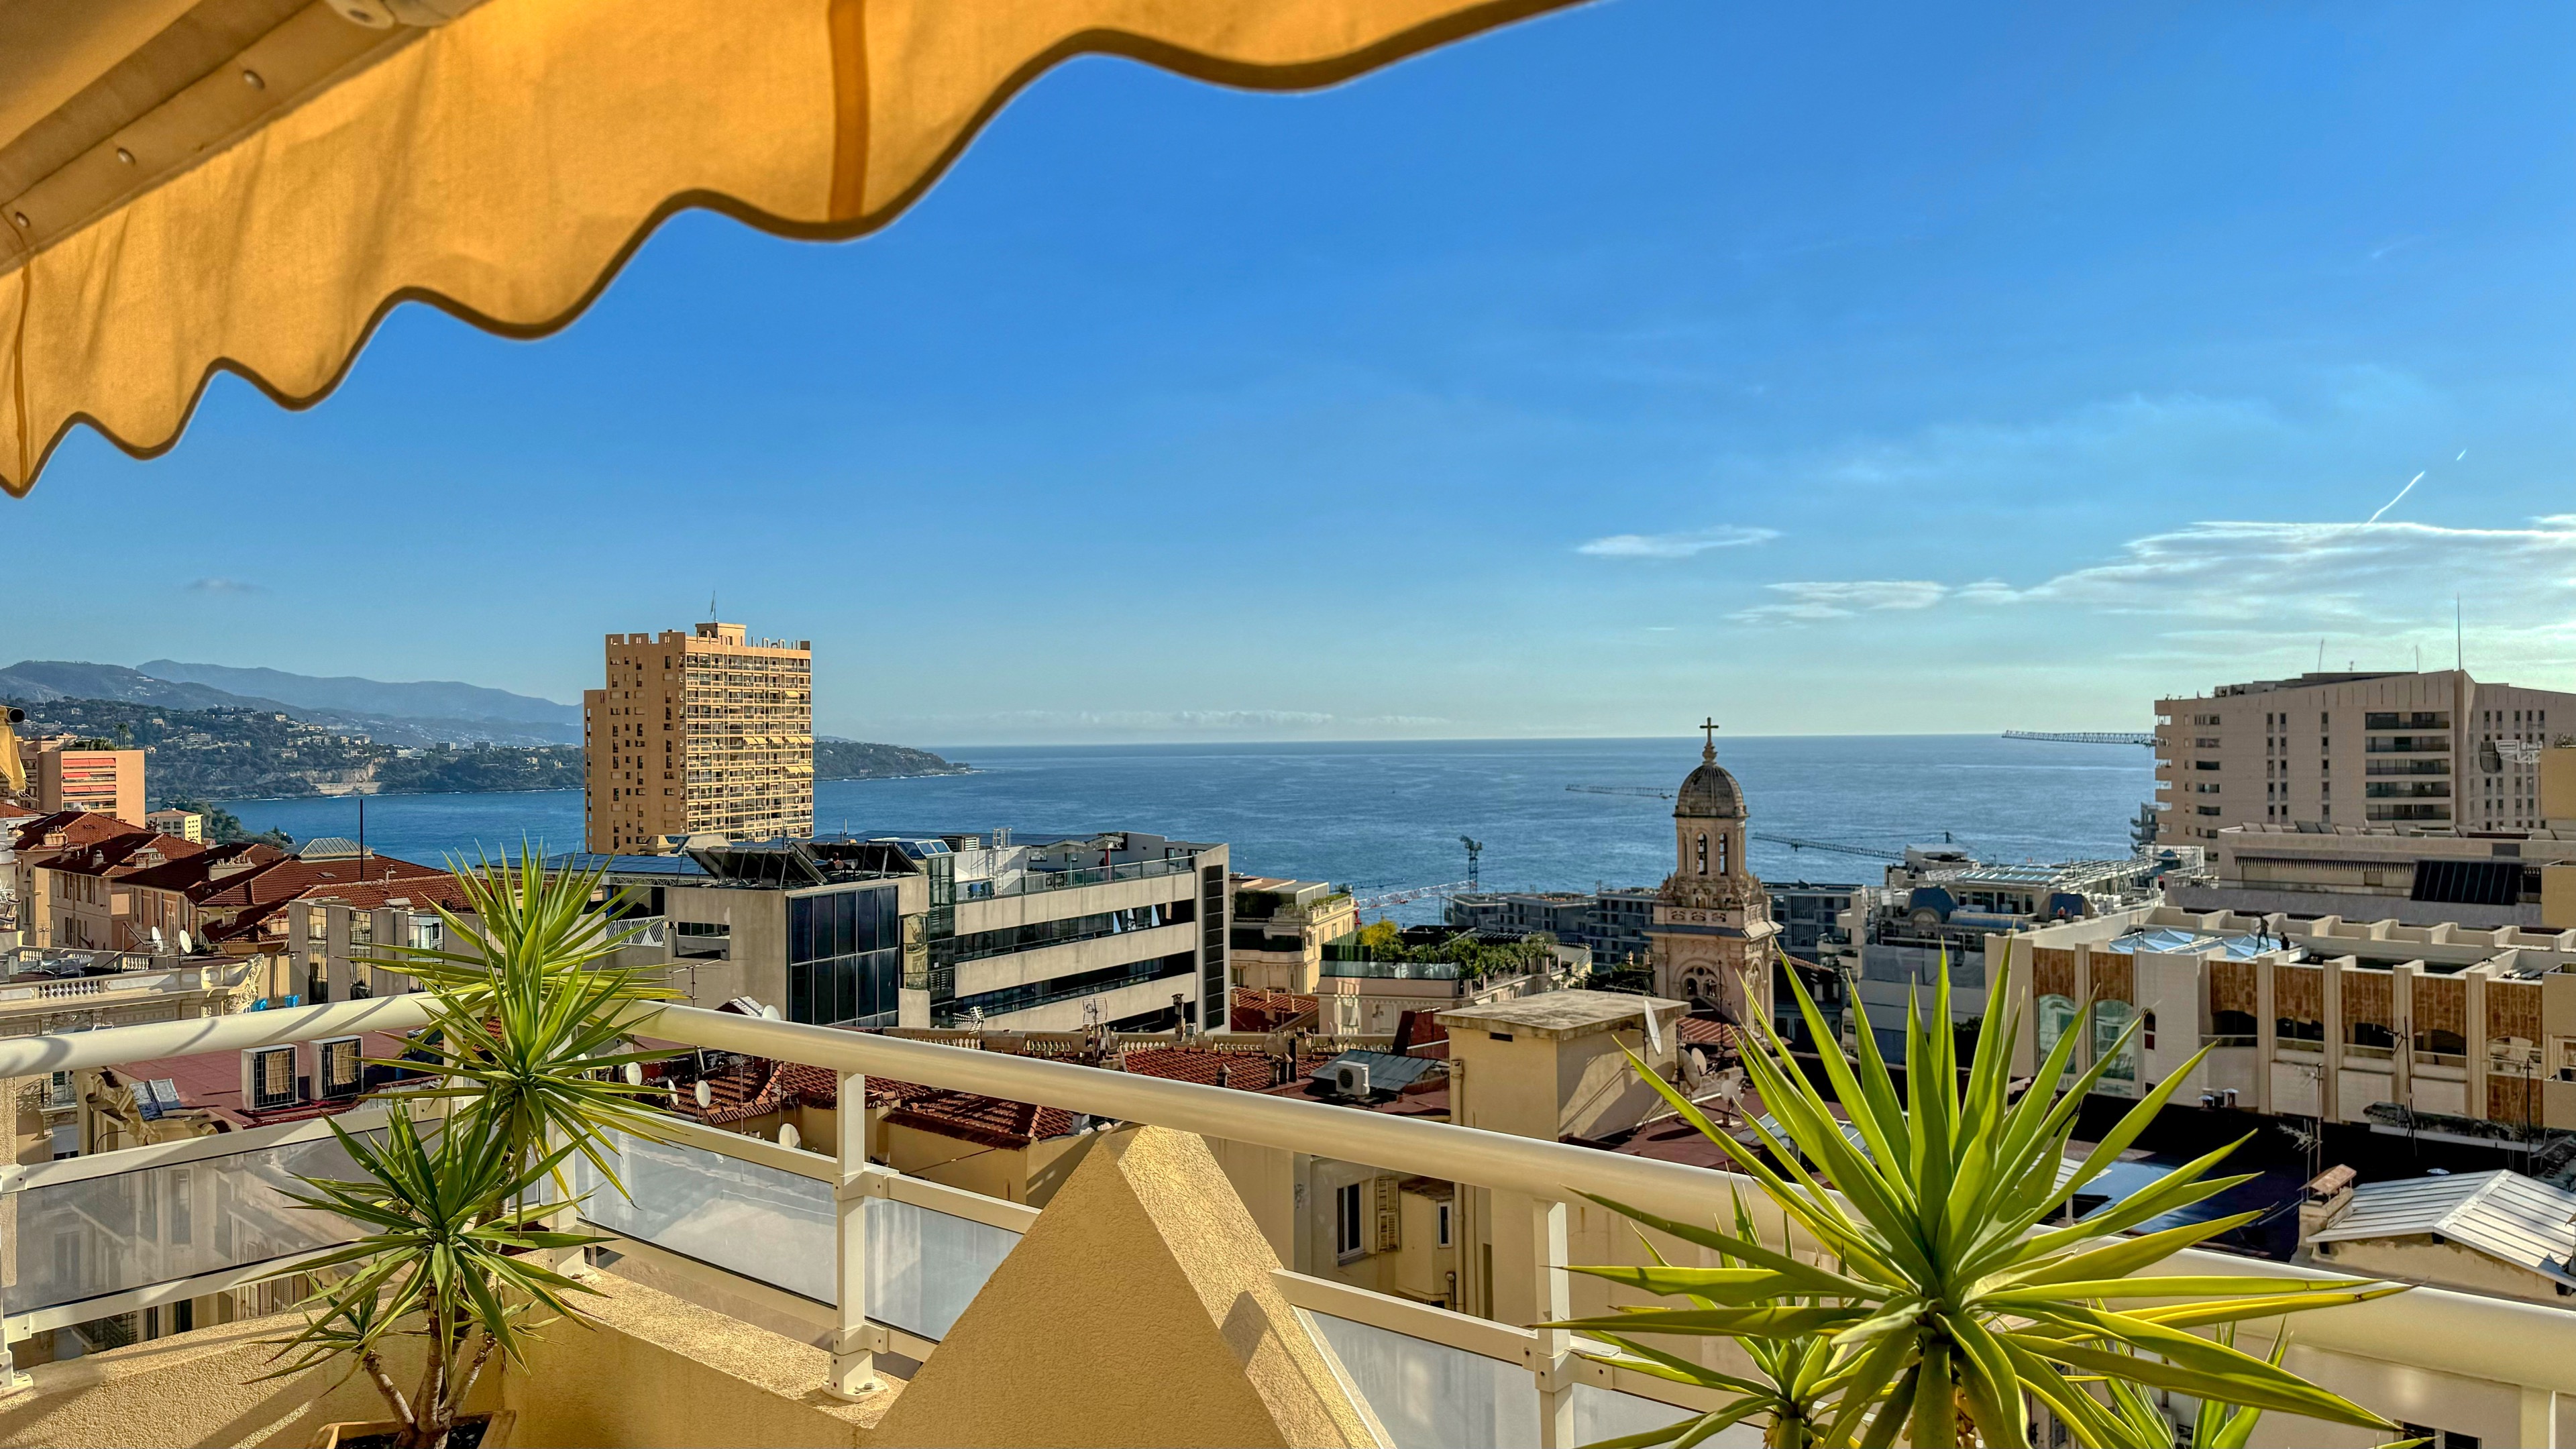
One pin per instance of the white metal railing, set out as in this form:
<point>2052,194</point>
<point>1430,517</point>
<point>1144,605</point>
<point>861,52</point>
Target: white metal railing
<point>2524,1352</point>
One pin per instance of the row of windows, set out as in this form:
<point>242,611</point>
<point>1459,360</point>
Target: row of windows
<point>980,944</point>
<point>1065,988</point>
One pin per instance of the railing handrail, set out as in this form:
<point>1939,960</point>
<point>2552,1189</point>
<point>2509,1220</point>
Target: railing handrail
<point>2495,1339</point>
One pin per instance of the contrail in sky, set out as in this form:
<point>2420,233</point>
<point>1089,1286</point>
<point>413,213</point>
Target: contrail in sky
<point>2401,494</point>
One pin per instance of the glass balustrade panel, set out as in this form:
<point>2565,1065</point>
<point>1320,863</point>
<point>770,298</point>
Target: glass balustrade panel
<point>739,1216</point>
<point>924,1267</point>
<point>1431,1396</point>
<point>81,1239</point>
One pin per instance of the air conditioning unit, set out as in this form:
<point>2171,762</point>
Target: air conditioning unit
<point>340,1073</point>
<point>1351,1079</point>
<point>268,1078</point>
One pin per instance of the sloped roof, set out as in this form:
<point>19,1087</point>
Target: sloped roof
<point>79,827</point>
<point>2505,1215</point>
<point>117,856</point>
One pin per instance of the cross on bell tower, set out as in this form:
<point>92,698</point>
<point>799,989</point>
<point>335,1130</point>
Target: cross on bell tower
<point>1708,751</point>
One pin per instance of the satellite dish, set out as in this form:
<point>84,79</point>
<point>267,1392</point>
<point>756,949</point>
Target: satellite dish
<point>787,1134</point>
<point>187,946</point>
<point>634,1074</point>
<point>1654,1029</point>
<point>706,1098</point>
<point>771,1013</point>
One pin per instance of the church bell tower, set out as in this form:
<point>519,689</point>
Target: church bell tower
<point>1712,933</point>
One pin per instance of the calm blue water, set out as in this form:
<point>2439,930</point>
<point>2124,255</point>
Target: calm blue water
<point>1382,816</point>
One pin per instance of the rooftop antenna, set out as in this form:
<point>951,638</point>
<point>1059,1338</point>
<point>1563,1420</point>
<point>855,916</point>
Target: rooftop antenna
<point>2321,656</point>
<point>2459,639</point>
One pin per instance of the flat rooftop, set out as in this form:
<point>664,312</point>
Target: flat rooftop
<point>1562,1013</point>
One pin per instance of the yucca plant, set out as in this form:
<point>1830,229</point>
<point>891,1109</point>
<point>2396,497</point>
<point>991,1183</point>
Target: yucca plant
<point>443,1257</point>
<point>1789,1391</point>
<point>525,1046</point>
<point>1951,1297</point>
<point>526,1021</point>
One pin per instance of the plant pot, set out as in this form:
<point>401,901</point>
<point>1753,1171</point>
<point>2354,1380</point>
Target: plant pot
<point>496,1434</point>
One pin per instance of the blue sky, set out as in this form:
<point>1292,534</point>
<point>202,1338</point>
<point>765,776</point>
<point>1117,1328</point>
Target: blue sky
<point>1868,368</point>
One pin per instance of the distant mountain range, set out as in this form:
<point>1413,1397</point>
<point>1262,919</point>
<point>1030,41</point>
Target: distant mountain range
<point>434,699</point>
<point>414,715</point>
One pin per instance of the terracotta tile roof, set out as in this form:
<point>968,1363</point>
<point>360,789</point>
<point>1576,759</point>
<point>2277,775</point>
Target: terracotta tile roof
<point>122,856</point>
<point>1243,1071</point>
<point>248,903</point>
<point>1251,1008</point>
<point>194,876</point>
<point>295,878</point>
<point>79,827</point>
<point>1708,1031</point>
<point>991,1121</point>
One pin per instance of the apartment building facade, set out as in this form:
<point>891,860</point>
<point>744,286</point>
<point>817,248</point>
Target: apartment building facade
<point>2443,1031</point>
<point>65,772</point>
<point>2324,749</point>
<point>707,732</point>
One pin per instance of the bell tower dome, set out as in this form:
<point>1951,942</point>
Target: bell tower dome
<point>1713,930</point>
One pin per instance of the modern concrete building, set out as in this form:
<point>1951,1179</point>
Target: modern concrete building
<point>1123,929</point>
<point>1941,905</point>
<point>2435,748</point>
<point>707,732</point>
<point>2418,875</point>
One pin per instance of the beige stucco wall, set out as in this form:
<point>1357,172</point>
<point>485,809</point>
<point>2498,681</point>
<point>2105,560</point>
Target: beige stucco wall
<point>193,1388</point>
<point>2443,1265</point>
<point>1139,1310</point>
<point>651,1371</point>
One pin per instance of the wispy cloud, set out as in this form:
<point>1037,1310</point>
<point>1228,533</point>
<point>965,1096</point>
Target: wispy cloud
<point>2270,578</point>
<point>1675,545</point>
<point>225,586</point>
<point>1839,599</point>
<point>1210,720</point>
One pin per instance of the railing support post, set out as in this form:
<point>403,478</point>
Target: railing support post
<point>854,1359</point>
<point>12,1178</point>
<point>1553,1361</point>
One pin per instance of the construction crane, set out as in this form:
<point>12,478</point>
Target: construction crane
<point>1794,843</point>
<point>1791,841</point>
<point>2084,737</point>
<point>1475,848</point>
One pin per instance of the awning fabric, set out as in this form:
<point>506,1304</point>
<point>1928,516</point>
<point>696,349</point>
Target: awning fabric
<point>252,184</point>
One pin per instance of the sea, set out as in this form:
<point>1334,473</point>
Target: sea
<point>1387,817</point>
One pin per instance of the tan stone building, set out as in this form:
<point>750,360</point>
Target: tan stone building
<point>2436,748</point>
<point>1713,929</point>
<point>65,774</point>
<point>707,732</point>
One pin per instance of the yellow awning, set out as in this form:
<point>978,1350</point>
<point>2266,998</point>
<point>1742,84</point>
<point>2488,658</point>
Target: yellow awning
<point>252,184</point>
